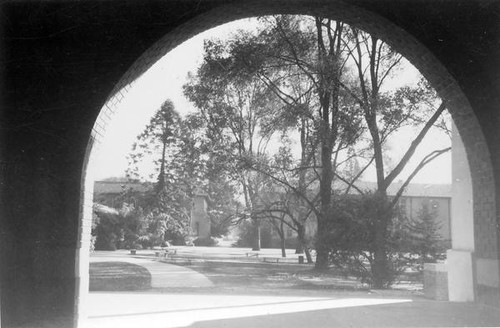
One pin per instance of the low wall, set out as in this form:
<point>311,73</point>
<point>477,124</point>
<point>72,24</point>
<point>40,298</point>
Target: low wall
<point>436,281</point>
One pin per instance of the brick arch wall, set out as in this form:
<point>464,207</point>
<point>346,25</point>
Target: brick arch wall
<point>61,59</point>
<point>485,213</point>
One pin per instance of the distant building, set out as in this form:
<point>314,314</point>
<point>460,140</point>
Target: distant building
<point>108,192</point>
<point>200,223</point>
<point>437,197</point>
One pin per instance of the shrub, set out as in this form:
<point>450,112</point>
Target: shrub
<point>246,235</point>
<point>206,241</point>
<point>92,243</point>
<point>422,238</point>
<point>351,240</point>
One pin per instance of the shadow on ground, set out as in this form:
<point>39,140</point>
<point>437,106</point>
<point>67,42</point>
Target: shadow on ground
<point>118,276</point>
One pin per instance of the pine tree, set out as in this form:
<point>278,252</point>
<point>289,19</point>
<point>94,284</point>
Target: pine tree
<point>423,236</point>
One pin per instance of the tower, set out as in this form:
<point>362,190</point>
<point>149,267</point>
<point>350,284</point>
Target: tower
<point>200,223</point>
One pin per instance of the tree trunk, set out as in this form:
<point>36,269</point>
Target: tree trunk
<point>308,255</point>
<point>380,271</point>
<point>256,246</point>
<point>300,239</point>
<point>282,238</point>
<point>161,177</point>
<point>325,196</point>
<point>283,247</point>
<point>302,244</point>
<point>321,249</point>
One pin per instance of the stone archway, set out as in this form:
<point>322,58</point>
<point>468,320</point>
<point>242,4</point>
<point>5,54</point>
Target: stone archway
<point>483,185</point>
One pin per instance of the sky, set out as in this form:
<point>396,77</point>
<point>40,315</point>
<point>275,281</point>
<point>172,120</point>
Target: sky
<point>164,80</point>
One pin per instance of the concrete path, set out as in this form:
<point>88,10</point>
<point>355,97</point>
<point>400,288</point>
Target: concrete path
<point>170,310</point>
<point>163,275</point>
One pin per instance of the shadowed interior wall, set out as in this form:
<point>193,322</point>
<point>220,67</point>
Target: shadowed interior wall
<point>60,61</point>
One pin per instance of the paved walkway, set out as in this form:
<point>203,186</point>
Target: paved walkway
<point>169,310</point>
<point>163,275</point>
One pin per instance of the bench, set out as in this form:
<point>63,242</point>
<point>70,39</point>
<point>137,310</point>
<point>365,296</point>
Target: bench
<point>170,252</point>
<point>250,254</point>
<point>165,252</point>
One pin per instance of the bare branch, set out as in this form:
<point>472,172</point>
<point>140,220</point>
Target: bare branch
<point>360,173</point>
<point>286,184</point>
<point>295,55</point>
<point>389,70</point>
<point>349,184</point>
<point>426,160</point>
<point>413,146</point>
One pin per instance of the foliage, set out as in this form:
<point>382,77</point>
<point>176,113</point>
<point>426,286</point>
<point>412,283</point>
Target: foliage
<point>234,107</point>
<point>106,228</point>
<point>285,212</point>
<point>384,113</point>
<point>324,80</point>
<point>352,243</point>
<point>163,208</point>
<point>132,225</point>
<point>156,144</point>
<point>321,80</point>
<point>208,241</point>
<point>423,238</point>
<point>223,207</point>
<point>161,213</point>
<point>246,234</point>
<point>285,77</point>
<point>92,243</point>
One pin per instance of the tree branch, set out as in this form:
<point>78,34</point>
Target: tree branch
<point>349,184</point>
<point>359,174</point>
<point>426,160</point>
<point>413,146</point>
<point>286,184</point>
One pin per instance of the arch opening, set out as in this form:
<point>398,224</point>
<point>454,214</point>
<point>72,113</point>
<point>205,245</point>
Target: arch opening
<point>431,69</point>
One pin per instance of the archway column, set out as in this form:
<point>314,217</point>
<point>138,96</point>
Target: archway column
<point>472,274</point>
<point>82,253</point>
<point>460,259</point>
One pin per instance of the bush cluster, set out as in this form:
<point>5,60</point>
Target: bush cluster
<point>409,243</point>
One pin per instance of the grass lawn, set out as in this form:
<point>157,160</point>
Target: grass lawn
<point>116,276</point>
<point>230,270</point>
<point>271,276</point>
<point>260,276</point>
